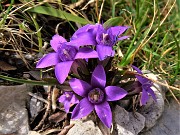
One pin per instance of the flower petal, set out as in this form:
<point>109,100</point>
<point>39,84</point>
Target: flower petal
<point>62,69</point>
<point>114,93</point>
<point>85,38</point>
<point>57,41</point>
<point>62,98</point>
<point>150,91</point>
<point>80,87</point>
<point>104,51</point>
<point>74,99</point>
<point>137,69</point>
<point>85,53</point>
<point>87,28</point>
<point>48,60</point>
<point>83,108</point>
<point>144,97</point>
<point>122,38</point>
<point>98,79</point>
<point>94,28</point>
<point>141,79</point>
<point>118,30</point>
<point>99,34</point>
<point>67,106</point>
<point>80,30</point>
<point>104,113</point>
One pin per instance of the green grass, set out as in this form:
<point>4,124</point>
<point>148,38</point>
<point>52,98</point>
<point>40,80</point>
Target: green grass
<point>155,29</point>
<point>154,43</point>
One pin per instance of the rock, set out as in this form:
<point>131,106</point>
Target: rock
<point>13,113</point>
<point>169,123</point>
<point>152,111</point>
<point>33,133</point>
<point>35,105</point>
<point>124,103</point>
<point>127,123</point>
<point>84,128</point>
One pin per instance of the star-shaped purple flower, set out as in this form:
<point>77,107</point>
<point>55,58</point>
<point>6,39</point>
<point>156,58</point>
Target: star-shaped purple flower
<point>67,99</point>
<point>64,56</point>
<point>96,96</point>
<point>146,87</point>
<point>103,39</point>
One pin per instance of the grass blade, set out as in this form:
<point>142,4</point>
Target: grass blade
<point>11,79</point>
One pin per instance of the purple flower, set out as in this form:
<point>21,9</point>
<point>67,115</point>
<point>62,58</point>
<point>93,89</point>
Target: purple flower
<point>67,99</point>
<point>146,87</point>
<point>95,96</point>
<point>103,39</point>
<point>64,56</point>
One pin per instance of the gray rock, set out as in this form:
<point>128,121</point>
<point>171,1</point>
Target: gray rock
<point>152,111</point>
<point>35,105</point>
<point>33,133</point>
<point>84,128</point>
<point>169,123</point>
<point>13,113</point>
<point>124,103</point>
<point>127,123</point>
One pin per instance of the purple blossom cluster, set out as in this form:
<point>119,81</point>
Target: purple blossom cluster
<point>90,42</point>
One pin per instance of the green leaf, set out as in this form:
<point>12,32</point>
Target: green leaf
<point>113,22</point>
<point>58,13</point>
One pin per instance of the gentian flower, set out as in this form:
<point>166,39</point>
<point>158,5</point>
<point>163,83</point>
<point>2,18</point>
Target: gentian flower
<point>67,99</point>
<point>96,96</point>
<point>146,87</point>
<point>64,56</point>
<point>104,39</point>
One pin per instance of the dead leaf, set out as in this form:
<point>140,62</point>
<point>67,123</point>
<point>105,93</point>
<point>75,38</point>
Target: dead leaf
<point>57,117</point>
<point>66,129</point>
<point>55,94</point>
<point>6,67</point>
<point>36,75</point>
<point>104,129</point>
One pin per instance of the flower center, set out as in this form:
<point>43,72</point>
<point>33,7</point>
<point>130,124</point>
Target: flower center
<point>68,95</point>
<point>106,39</point>
<point>67,52</point>
<point>96,96</point>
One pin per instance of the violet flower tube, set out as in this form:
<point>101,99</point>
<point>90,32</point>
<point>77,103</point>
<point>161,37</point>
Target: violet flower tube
<point>68,98</point>
<point>96,96</point>
<point>64,56</point>
<point>104,39</point>
<point>146,87</point>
